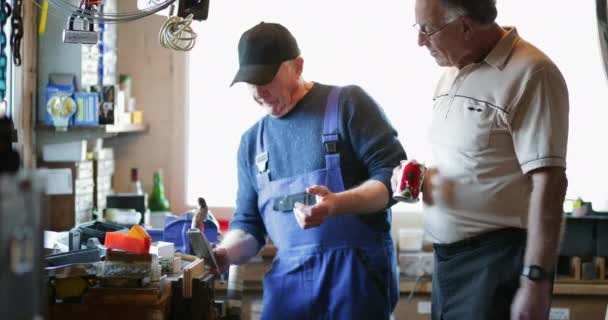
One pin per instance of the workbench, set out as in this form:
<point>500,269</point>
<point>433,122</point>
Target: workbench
<point>574,301</point>
<point>152,302</point>
<point>162,300</point>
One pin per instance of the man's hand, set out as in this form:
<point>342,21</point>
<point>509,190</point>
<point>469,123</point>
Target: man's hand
<point>396,178</point>
<point>428,186</point>
<point>432,186</point>
<point>221,256</point>
<point>532,300</point>
<point>313,216</point>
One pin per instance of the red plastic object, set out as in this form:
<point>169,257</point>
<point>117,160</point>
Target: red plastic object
<point>120,241</point>
<point>410,183</point>
<point>223,225</point>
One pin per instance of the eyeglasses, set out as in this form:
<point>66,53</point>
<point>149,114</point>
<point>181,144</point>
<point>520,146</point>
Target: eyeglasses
<point>427,34</point>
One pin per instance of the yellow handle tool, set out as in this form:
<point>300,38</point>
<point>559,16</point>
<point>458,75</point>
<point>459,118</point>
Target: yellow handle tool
<point>43,15</point>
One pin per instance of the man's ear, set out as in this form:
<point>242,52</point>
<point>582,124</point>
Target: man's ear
<point>299,65</point>
<point>468,27</point>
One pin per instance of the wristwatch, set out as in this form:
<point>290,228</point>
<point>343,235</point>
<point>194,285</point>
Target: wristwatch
<point>535,273</point>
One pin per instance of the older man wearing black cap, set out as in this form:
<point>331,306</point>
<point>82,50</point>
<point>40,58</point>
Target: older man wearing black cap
<point>314,176</point>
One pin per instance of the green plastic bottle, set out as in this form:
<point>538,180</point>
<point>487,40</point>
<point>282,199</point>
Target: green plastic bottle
<point>157,200</point>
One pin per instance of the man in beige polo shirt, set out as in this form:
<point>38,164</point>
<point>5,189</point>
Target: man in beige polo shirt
<point>498,137</point>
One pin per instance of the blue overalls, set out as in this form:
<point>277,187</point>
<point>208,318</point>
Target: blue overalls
<point>342,269</point>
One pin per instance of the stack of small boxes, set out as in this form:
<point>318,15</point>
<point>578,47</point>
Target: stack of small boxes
<point>68,210</point>
<point>103,170</point>
<point>413,261</point>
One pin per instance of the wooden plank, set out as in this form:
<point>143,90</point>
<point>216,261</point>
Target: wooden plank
<point>124,303</point>
<point>580,289</point>
<point>592,289</point>
<point>122,256</point>
<point>253,275</point>
<point>109,128</point>
<point>155,294</point>
<point>600,262</point>
<point>124,128</point>
<point>575,268</point>
<point>25,80</point>
<point>194,270</point>
<point>130,296</point>
<point>186,257</point>
<point>407,285</point>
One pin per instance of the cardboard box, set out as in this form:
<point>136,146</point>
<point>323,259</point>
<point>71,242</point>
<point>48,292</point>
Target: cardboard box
<point>75,206</point>
<point>75,151</point>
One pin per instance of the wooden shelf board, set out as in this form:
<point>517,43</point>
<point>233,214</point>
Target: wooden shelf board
<point>110,128</point>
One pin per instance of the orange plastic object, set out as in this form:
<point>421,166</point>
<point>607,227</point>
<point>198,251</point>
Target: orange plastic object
<point>121,241</point>
<point>139,232</point>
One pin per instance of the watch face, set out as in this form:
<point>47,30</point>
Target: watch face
<point>534,273</point>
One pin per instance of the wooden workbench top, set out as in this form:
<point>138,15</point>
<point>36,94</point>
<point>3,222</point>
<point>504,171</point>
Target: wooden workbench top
<point>559,288</point>
<point>253,274</point>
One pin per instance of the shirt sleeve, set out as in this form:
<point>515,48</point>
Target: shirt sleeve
<point>373,138</point>
<point>539,125</point>
<point>247,216</point>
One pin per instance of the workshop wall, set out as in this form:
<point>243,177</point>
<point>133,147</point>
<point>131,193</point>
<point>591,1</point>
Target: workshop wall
<point>158,84</point>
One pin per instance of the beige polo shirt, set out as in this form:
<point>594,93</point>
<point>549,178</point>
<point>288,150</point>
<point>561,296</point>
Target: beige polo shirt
<point>492,123</point>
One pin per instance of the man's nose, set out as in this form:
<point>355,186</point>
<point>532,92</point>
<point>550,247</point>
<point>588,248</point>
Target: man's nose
<point>261,91</point>
<point>422,39</point>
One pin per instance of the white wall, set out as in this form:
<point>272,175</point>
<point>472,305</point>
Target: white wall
<point>158,78</point>
<point>374,45</point>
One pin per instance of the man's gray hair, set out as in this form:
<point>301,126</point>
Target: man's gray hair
<point>482,11</point>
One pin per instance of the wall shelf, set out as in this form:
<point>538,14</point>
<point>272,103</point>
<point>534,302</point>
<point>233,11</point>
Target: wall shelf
<point>109,128</point>
<point>50,134</point>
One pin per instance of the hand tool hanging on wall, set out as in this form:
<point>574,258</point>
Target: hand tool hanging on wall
<point>16,31</point>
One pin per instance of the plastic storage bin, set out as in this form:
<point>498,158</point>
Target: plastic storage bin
<point>176,229</point>
<point>98,229</point>
<point>156,234</point>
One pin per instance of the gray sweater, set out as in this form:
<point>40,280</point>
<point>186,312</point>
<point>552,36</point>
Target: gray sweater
<point>368,147</point>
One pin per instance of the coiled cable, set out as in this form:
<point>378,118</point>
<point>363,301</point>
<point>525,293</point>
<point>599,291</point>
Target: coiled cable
<point>177,34</point>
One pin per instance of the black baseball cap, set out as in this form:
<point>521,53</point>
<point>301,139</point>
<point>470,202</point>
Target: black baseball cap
<point>262,50</point>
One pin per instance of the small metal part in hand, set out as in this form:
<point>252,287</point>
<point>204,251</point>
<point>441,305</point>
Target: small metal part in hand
<point>202,213</point>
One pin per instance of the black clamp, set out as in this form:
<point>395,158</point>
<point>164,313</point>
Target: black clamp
<point>331,147</point>
<point>331,142</point>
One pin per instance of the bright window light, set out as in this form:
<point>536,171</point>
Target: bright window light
<point>374,46</point>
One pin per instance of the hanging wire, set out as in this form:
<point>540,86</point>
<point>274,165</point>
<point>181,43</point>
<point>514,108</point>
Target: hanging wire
<point>175,33</point>
<point>52,11</point>
<point>91,13</point>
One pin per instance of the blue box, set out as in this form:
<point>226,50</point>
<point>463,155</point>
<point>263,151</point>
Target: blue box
<point>87,109</point>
